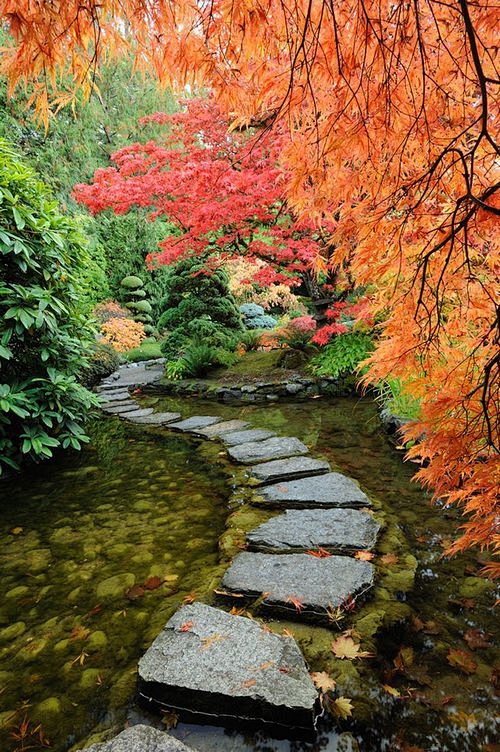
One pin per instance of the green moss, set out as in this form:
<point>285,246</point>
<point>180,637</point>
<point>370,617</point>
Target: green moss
<point>473,587</point>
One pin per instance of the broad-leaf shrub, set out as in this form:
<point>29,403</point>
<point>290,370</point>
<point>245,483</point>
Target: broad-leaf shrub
<point>43,334</point>
<point>342,356</point>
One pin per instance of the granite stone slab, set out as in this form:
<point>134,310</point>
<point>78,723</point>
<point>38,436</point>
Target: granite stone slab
<point>119,409</point>
<point>330,490</point>
<point>134,376</point>
<point>316,583</point>
<point>218,429</point>
<point>270,449</point>
<point>195,423</point>
<point>140,739</point>
<point>227,667</point>
<point>141,413</point>
<point>242,437</point>
<point>155,419</point>
<point>116,403</point>
<point>337,530</point>
<point>115,395</point>
<point>289,469</point>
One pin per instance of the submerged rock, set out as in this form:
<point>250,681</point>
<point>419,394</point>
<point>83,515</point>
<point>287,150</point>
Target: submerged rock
<point>195,422</point>
<point>221,428</point>
<point>140,739</point>
<point>330,490</point>
<point>226,668</point>
<point>242,437</point>
<point>302,529</point>
<point>290,469</point>
<point>316,584</point>
<point>270,449</point>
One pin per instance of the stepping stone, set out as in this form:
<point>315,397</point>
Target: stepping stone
<point>296,467</point>
<point>119,409</point>
<point>216,665</point>
<point>116,396</point>
<point>270,449</point>
<point>137,413</point>
<point>116,403</point>
<point>242,437</point>
<point>330,490</point>
<point>218,429</point>
<point>156,419</point>
<point>339,530</point>
<point>317,584</point>
<point>140,739</point>
<point>195,423</point>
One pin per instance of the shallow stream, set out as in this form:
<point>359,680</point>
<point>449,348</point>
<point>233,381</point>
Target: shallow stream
<point>98,549</point>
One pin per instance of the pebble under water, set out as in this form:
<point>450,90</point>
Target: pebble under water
<point>99,548</point>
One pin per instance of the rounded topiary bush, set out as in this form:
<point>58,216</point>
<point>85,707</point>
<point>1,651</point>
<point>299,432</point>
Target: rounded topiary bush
<point>132,282</point>
<point>254,317</point>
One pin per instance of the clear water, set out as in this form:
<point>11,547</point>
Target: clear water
<point>145,503</point>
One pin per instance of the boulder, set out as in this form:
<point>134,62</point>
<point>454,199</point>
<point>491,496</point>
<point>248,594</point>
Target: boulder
<point>140,739</point>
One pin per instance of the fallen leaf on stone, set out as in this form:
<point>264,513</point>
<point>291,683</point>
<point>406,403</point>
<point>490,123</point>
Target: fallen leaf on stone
<point>341,707</point>
<point>248,683</point>
<point>477,639</point>
<point>186,627</point>
<point>319,553</point>
<point>323,681</point>
<point>152,583</point>
<point>134,592</point>
<point>209,641</point>
<point>388,559</point>
<point>462,660</point>
<point>296,603</point>
<point>391,690</point>
<point>364,555</point>
<point>345,647</point>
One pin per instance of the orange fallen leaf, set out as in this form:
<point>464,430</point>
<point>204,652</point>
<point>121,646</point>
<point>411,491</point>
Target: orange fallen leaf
<point>209,641</point>
<point>186,627</point>
<point>296,602</point>
<point>388,559</point>
<point>364,555</point>
<point>462,660</point>
<point>341,707</point>
<point>16,530</point>
<point>477,639</point>
<point>323,681</point>
<point>190,597</point>
<point>345,647</point>
<point>320,553</point>
<point>134,592</point>
<point>391,690</point>
<point>248,683</point>
<point>79,633</point>
<point>404,658</point>
<point>287,632</point>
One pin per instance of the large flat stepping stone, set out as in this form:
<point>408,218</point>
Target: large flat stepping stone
<point>211,663</point>
<point>330,490</point>
<point>155,419</point>
<point>270,449</point>
<point>116,403</point>
<point>295,467</point>
<point>242,437</point>
<point>120,409</point>
<point>115,396</point>
<point>195,423</point>
<point>140,739</point>
<point>142,413</point>
<point>218,429</point>
<point>338,530</point>
<point>296,581</point>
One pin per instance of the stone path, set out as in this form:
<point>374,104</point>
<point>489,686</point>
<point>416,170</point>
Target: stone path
<point>214,664</point>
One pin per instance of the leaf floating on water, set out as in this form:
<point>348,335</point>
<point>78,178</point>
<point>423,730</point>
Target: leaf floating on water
<point>462,660</point>
<point>391,690</point>
<point>152,583</point>
<point>323,681</point>
<point>16,530</point>
<point>342,707</point>
<point>345,647</point>
<point>477,639</point>
<point>462,602</point>
<point>79,633</point>
<point>134,592</point>
<point>364,555</point>
<point>404,658</point>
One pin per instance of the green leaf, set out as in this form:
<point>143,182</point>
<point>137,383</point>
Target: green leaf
<point>19,219</point>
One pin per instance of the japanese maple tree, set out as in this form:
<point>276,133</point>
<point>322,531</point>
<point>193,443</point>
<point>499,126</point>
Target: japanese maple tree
<point>391,112</point>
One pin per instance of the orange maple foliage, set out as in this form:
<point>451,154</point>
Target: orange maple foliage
<point>123,334</point>
<point>392,115</point>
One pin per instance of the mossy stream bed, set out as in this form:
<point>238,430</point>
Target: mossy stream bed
<point>98,550</point>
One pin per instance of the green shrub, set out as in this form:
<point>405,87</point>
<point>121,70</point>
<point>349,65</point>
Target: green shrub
<point>102,361</point>
<point>43,333</point>
<point>254,317</point>
<point>394,396</point>
<point>198,360</point>
<point>342,356</point>
<point>199,331</point>
<point>132,282</point>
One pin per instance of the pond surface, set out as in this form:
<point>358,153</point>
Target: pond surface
<point>86,542</point>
